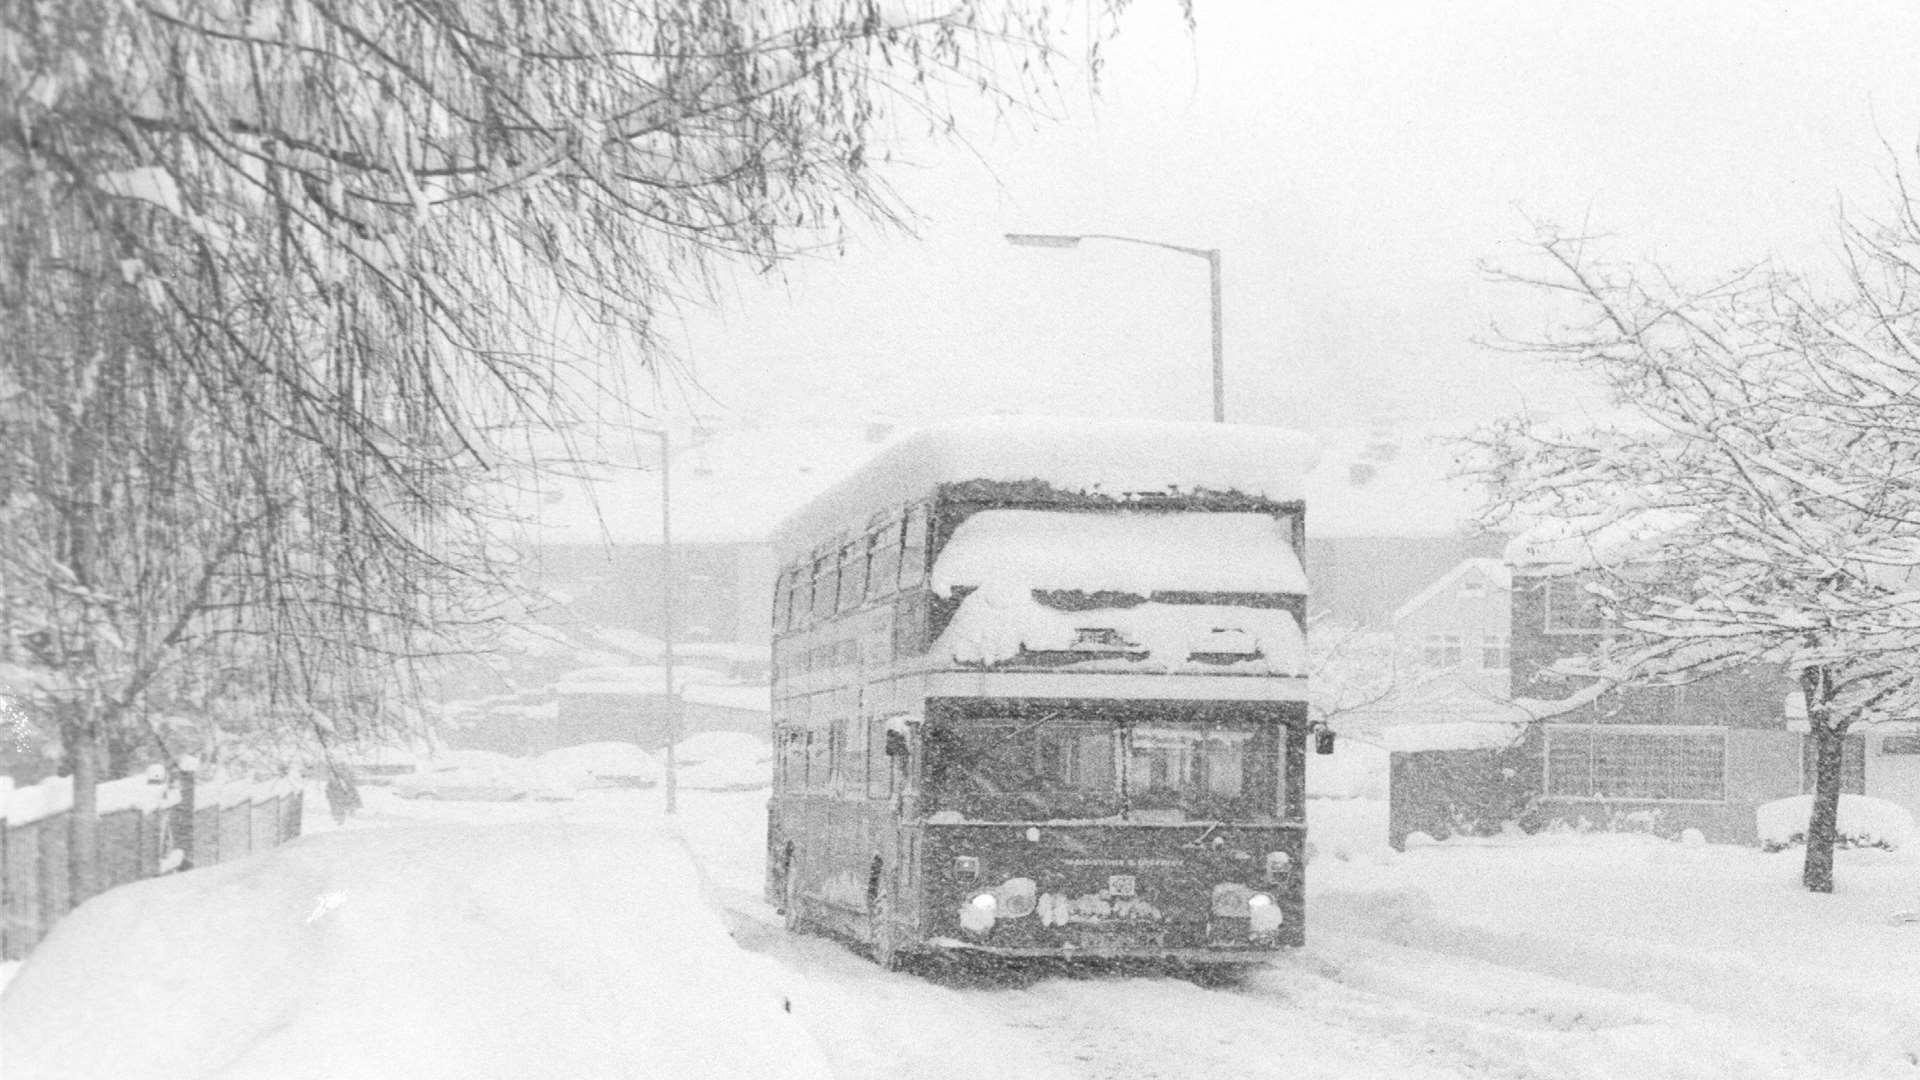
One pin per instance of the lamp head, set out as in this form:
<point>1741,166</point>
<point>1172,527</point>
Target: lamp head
<point>1047,240</point>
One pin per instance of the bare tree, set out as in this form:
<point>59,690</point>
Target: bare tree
<point>1365,680</point>
<point>1755,500</point>
<point>285,279</point>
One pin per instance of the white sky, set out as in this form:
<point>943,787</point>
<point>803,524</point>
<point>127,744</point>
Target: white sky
<point>1356,163</point>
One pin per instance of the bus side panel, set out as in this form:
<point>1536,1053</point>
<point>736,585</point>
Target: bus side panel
<point>848,858</point>
<point>834,843</point>
<point>800,832</point>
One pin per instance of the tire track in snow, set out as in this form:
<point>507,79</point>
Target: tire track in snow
<point>1652,1006</point>
<point>1300,1018</point>
<point>1351,1008</point>
<point>961,1025</point>
<point>1142,1028</point>
<point>1502,1022</point>
<point>880,1025</point>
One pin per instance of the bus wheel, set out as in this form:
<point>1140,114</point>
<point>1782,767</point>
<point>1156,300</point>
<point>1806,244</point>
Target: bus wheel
<point>791,898</point>
<point>886,934</point>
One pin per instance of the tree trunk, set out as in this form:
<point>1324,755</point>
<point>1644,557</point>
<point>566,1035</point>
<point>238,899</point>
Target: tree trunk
<point>1829,743</point>
<point>83,850</point>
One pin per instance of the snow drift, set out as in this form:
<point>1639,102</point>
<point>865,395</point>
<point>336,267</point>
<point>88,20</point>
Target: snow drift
<point>529,951</point>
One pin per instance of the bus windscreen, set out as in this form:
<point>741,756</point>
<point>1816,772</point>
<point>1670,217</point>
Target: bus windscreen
<point>1071,766</point>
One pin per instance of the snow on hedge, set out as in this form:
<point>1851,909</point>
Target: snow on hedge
<point>1864,822</point>
<point>1460,735</point>
<point>527,951</point>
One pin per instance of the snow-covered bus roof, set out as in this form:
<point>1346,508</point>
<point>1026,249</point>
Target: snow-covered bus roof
<point>1081,455</point>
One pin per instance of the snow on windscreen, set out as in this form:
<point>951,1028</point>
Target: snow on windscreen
<point>1137,553</point>
<point>1005,555</point>
<point>995,625</point>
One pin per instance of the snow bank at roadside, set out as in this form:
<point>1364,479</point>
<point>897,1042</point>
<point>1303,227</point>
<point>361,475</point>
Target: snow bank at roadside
<point>528,951</point>
<point>1616,954</point>
<point>725,761</point>
<point>1863,822</point>
<point>1355,770</point>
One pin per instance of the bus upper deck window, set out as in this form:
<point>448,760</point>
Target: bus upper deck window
<point>826,576</point>
<point>784,613</point>
<point>913,548</point>
<point>800,611</point>
<point>884,576</point>
<point>853,574</point>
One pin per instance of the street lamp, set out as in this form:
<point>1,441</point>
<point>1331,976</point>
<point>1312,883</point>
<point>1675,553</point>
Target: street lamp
<point>1212,255</point>
<point>666,617</point>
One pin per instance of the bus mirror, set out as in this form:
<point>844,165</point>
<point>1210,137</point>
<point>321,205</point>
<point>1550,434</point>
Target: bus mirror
<point>1323,741</point>
<point>896,744</point>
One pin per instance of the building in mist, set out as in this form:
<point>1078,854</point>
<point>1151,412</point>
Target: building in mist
<point>1387,518</point>
<point>1702,755</point>
<point>1385,522</point>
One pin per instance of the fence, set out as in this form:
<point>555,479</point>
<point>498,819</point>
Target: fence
<point>146,829</point>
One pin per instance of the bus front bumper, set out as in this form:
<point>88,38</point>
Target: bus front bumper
<point>1251,954</point>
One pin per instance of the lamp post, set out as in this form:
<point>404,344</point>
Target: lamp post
<point>666,617</point>
<point>1212,255</point>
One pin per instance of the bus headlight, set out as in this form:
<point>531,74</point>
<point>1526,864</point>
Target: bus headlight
<point>1232,900</point>
<point>978,913</point>
<point>1278,863</point>
<point>1015,898</point>
<point>1263,914</point>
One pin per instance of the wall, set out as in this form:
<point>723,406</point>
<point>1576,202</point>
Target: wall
<point>1761,766</point>
<point>1893,777</point>
<point>140,825</point>
<point>1752,697</point>
<point>1762,757</point>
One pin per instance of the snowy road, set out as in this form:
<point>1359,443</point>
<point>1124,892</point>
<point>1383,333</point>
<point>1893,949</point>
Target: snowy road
<point>1349,1007</point>
<point>573,941</point>
<point>1618,957</point>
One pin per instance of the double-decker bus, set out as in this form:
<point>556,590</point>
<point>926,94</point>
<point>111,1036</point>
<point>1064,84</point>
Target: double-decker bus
<point>1040,690</point>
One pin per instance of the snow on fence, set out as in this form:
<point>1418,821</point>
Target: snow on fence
<point>146,828</point>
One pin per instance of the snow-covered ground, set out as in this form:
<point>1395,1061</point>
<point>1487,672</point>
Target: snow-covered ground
<point>599,938</point>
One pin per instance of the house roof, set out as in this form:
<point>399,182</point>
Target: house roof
<point>1388,481</point>
<point>1495,571</point>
